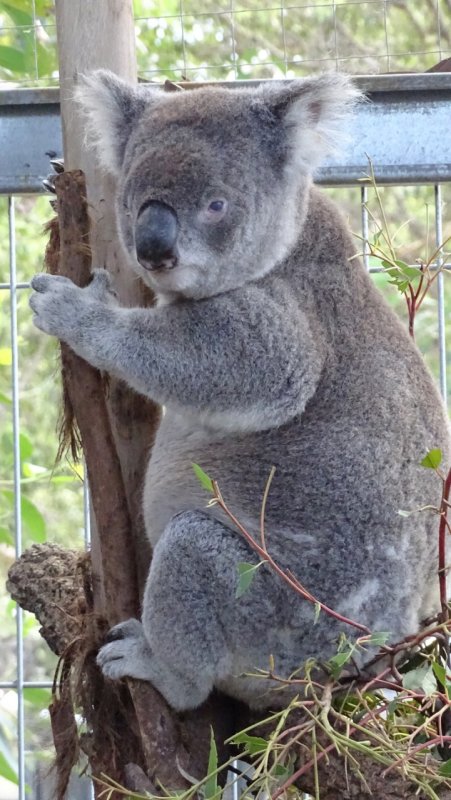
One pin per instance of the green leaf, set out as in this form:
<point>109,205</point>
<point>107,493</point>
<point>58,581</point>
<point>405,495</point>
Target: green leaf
<point>25,446</point>
<point>316,613</point>
<point>420,679</point>
<point>282,773</point>
<point>203,478</point>
<point>64,479</point>
<point>20,17</point>
<point>30,470</point>
<point>6,537</point>
<point>379,638</point>
<point>33,520</point>
<point>439,672</point>
<point>246,574</point>
<point>6,354</point>
<point>13,59</point>
<point>252,744</point>
<point>38,697</point>
<point>337,662</point>
<point>210,789</point>
<point>432,459</point>
<point>5,399</point>
<point>7,770</point>
<point>445,769</point>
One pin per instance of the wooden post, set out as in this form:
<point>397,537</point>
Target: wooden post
<point>92,36</point>
<point>95,35</point>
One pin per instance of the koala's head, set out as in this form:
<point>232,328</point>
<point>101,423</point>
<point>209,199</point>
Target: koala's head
<point>212,182</point>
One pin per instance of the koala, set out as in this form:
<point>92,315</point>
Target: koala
<point>268,346</point>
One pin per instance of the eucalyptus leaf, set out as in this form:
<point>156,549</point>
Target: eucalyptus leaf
<point>432,459</point>
<point>420,679</point>
<point>7,769</point>
<point>246,574</point>
<point>445,769</point>
<point>378,638</point>
<point>252,744</point>
<point>210,789</point>
<point>13,59</point>
<point>203,478</point>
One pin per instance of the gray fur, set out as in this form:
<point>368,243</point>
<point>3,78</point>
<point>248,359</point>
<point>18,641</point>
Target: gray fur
<point>267,347</point>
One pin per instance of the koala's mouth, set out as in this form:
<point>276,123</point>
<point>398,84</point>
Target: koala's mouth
<point>163,264</point>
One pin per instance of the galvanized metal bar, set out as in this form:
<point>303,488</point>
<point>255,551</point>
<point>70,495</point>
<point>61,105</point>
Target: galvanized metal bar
<point>440,293</point>
<point>17,494</point>
<point>7,286</point>
<point>394,128</point>
<point>26,684</point>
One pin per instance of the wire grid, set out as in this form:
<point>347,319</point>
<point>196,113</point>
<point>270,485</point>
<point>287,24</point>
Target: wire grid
<point>15,287</point>
<point>230,39</point>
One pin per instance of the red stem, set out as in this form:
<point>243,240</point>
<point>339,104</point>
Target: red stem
<point>442,546</point>
<point>285,575</point>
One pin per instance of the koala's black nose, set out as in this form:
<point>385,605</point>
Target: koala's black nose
<point>156,235</point>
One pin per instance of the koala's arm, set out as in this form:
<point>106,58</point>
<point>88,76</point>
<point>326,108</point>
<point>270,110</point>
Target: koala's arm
<point>243,359</point>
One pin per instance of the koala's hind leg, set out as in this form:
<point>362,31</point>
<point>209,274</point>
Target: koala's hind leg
<point>192,623</point>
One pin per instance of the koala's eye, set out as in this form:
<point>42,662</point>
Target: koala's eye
<point>215,210</point>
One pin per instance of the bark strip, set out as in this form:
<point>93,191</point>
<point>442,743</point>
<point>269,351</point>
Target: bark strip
<point>158,725</point>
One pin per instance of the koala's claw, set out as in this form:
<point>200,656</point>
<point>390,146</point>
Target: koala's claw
<point>129,628</point>
<point>126,652</point>
<point>57,164</point>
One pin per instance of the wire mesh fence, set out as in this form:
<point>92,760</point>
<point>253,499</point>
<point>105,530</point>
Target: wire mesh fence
<point>239,39</point>
<point>30,496</point>
<point>29,390</point>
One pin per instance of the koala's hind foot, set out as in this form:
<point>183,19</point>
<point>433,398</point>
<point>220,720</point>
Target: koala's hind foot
<point>195,633</point>
<point>127,653</point>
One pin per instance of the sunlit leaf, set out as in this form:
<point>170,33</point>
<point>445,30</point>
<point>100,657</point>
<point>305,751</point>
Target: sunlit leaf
<point>432,459</point>
<point>6,537</point>
<point>25,446</point>
<point>38,696</point>
<point>30,470</point>
<point>33,520</point>
<point>203,478</point>
<point>6,354</point>
<point>13,59</point>
<point>7,770</point>
<point>210,789</point>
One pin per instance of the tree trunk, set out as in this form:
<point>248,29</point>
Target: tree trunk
<point>90,36</point>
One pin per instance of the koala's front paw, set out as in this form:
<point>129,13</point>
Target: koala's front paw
<point>126,652</point>
<point>55,304</point>
<point>63,309</point>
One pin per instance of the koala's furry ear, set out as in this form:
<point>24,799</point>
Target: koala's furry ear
<point>112,108</point>
<point>313,112</point>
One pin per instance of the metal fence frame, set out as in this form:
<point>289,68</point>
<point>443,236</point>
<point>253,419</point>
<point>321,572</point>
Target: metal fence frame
<point>29,121</point>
